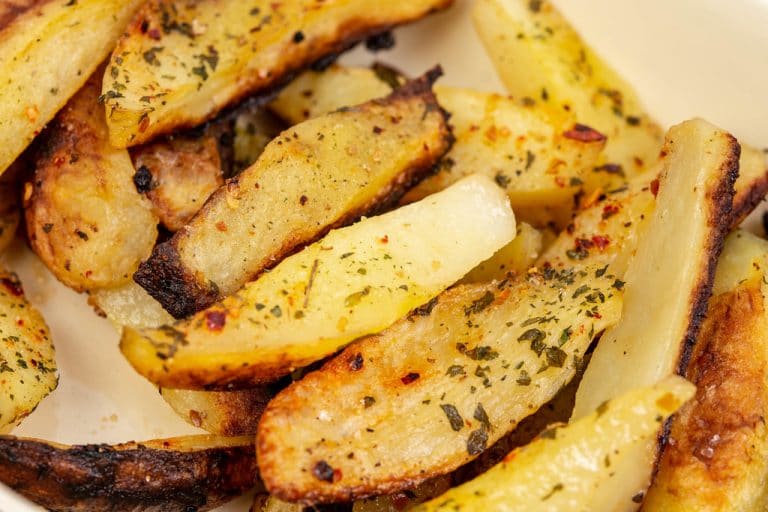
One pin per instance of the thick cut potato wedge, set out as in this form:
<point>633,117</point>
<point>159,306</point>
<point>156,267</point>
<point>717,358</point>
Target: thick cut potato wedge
<point>176,474</point>
<point>355,281</point>
<point>226,413</point>
<point>540,164</point>
<point>669,280</point>
<point>10,213</point>
<point>433,391</point>
<point>516,257</point>
<point>716,456</point>
<point>85,218</point>
<point>178,175</point>
<point>539,56</point>
<point>321,174</point>
<point>47,51</point>
<point>571,467</point>
<point>27,365</point>
<point>181,63</point>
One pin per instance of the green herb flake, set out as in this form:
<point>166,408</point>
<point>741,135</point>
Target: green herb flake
<point>454,418</point>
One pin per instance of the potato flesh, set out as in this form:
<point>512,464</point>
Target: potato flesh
<point>85,218</point>
<point>716,457</point>
<point>179,64</point>
<point>521,148</point>
<point>129,305</point>
<point>54,32</point>
<point>516,257</point>
<point>355,281</point>
<point>321,174</point>
<point>539,56</point>
<point>27,358</point>
<point>571,467</point>
<point>484,358</point>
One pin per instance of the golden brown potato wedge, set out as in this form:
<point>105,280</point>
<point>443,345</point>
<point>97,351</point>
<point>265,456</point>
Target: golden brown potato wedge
<point>540,164</point>
<point>539,56</point>
<point>181,63</point>
<point>27,359</point>
<point>321,174</point>
<point>435,390</point>
<point>225,413</point>
<point>571,467</point>
<point>47,51</point>
<point>715,459</point>
<point>669,279</point>
<point>355,281</point>
<point>85,218</point>
<point>176,474</point>
<point>10,212</point>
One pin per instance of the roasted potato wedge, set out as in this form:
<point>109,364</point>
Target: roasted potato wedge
<point>669,279</point>
<point>355,281</point>
<point>181,63</point>
<point>225,413</point>
<point>516,257</point>
<point>10,213</point>
<point>85,219</point>
<point>321,174</point>
<point>176,474</point>
<point>35,36</point>
<point>540,164</point>
<point>27,359</point>
<point>433,391</point>
<point>538,55</point>
<point>571,467</point>
<point>716,457</point>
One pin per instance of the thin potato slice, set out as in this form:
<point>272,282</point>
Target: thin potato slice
<point>321,174</point>
<point>571,467</point>
<point>433,391</point>
<point>47,51</point>
<point>225,413</point>
<point>716,457</point>
<point>27,359</point>
<point>173,475</point>
<point>181,63</point>
<point>85,218</point>
<point>516,257</point>
<point>355,281</point>
<point>539,56</point>
<point>669,279</point>
<point>540,164</point>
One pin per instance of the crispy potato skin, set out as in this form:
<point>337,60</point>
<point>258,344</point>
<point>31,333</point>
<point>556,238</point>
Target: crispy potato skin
<point>751,185</point>
<point>185,277</point>
<point>157,476</point>
<point>289,36</point>
<point>84,216</point>
<point>183,173</point>
<point>717,441</point>
<point>10,212</point>
<point>225,413</point>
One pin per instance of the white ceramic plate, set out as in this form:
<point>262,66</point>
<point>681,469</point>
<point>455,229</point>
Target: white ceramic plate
<point>687,58</point>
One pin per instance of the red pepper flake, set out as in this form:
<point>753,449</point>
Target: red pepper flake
<point>384,239</point>
<point>20,322</point>
<point>655,187</point>
<point>601,242</point>
<point>412,376</point>
<point>610,210</point>
<point>215,320</point>
<point>303,200</point>
<point>221,226</point>
<point>13,285</point>
<point>584,133</point>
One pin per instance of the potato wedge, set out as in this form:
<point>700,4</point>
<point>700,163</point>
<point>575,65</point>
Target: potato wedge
<point>27,359</point>
<point>716,457</point>
<point>433,391</point>
<point>176,474</point>
<point>669,279</point>
<point>36,34</point>
<point>539,56</point>
<point>181,63</point>
<point>355,281</point>
<point>321,174</point>
<point>10,213</point>
<point>84,217</point>
<point>225,413</point>
<point>570,467</point>
<point>541,164</point>
<point>516,257</point>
